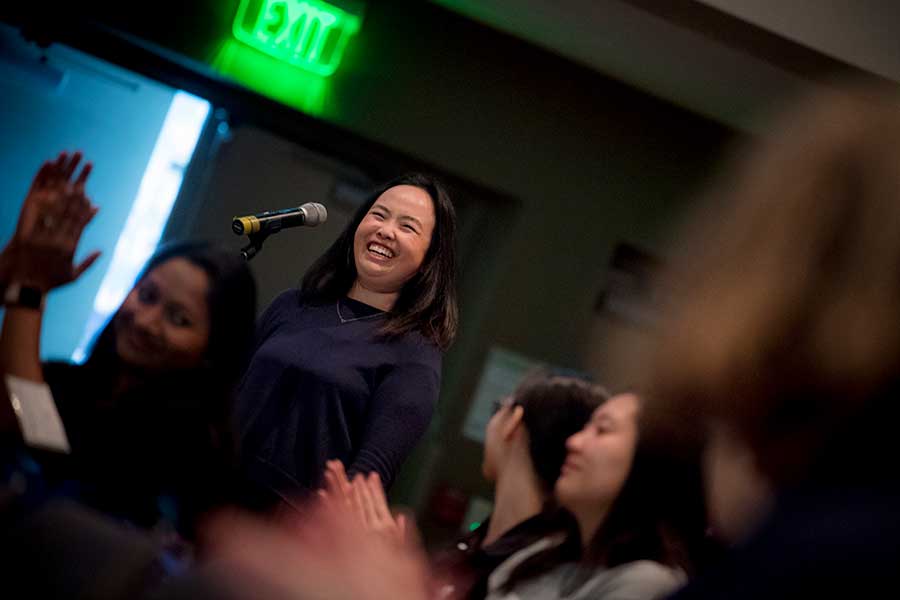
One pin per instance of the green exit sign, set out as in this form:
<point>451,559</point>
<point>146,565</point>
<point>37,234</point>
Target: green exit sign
<point>311,34</point>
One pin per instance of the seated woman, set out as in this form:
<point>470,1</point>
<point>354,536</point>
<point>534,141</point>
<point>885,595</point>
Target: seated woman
<point>639,515</point>
<point>524,449</point>
<point>348,366</point>
<point>147,415</point>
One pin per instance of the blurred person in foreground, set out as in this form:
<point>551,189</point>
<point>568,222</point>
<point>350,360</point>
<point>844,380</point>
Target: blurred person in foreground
<point>784,336</point>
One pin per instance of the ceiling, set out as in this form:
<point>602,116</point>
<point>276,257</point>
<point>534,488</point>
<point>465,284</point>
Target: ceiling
<point>733,61</point>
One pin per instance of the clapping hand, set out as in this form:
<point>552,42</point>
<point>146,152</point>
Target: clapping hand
<point>364,500</point>
<point>323,553</point>
<point>53,217</point>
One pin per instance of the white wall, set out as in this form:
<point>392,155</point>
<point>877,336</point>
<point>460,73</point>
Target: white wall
<point>112,115</point>
<point>864,33</point>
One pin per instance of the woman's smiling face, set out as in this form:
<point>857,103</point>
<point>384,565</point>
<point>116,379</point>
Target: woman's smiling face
<point>599,456</point>
<point>164,322</point>
<point>393,238</point>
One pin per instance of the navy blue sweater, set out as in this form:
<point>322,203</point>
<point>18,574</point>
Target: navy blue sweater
<point>318,388</point>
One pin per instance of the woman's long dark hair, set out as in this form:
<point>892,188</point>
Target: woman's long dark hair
<point>553,408</point>
<point>659,514</point>
<point>427,302</point>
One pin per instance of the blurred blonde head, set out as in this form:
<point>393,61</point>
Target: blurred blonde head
<point>785,315</point>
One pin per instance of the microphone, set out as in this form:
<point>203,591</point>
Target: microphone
<point>309,215</point>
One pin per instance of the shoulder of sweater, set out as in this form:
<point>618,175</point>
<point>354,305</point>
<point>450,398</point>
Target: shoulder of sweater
<point>420,342</point>
<point>292,297</point>
<point>416,346</point>
<point>502,572</point>
<point>638,579</point>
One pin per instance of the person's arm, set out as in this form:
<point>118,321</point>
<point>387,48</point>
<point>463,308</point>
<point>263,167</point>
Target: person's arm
<point>399,414</point>
<point>39,258</point>
<point>272,316</point>
<point>20,343</point>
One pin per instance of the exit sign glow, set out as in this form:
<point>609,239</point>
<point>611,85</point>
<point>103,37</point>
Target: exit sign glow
<point>311,34</point>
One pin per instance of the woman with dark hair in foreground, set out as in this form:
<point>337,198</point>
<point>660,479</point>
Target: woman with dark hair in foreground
<point>348,366</point>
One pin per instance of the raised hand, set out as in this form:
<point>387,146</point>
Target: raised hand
<point>364,500</point>
<point>370,500</point>
<point>53,217</point>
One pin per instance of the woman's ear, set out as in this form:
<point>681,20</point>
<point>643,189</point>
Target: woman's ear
<point>513,421</point>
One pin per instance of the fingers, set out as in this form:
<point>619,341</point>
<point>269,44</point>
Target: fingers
<point>362,499</point>
<point>338,468</point>
<point>332,496</point>
<point>85,264</point>
<point>325,499</point>
<point>59,164</point>
<point>370,498</point>
<point>41,177</point>
<point>331,485</point>
<point>378,498</point>
<point>55,172</point>
<point>68,167</point>
<point>66,211</point>
<point>407,531</point>
<point>58,174</point>
<point>82,177</point>
<point>336,481</point>
<point>360,504</point>
<point>400,522</point>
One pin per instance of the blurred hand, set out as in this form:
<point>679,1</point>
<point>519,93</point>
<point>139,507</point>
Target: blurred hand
<point>364,500</point>
<point>324,556</point>
<point>53,217</point>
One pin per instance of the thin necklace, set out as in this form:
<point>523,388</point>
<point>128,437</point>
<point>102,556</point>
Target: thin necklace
<point>337,306</point>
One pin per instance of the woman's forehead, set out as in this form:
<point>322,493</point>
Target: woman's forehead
<point>619,407</point>
<point>408,201</point>
<point>181,280</point>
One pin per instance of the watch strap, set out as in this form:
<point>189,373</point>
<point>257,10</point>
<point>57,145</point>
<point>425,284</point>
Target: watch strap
<point>17,294</point>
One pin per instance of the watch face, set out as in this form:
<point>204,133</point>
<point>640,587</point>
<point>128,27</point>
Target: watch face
<point>30,297</point>
<point>23,296</point>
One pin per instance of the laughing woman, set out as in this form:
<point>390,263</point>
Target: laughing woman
<point>348,366</point>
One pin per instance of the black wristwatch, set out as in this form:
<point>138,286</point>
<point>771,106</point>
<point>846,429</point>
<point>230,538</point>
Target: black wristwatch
<point>18,295</point>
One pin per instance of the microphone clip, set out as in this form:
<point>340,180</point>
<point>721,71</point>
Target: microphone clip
<point>255,245</point>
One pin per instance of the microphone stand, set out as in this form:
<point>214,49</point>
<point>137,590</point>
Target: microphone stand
<point>255,245</point>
